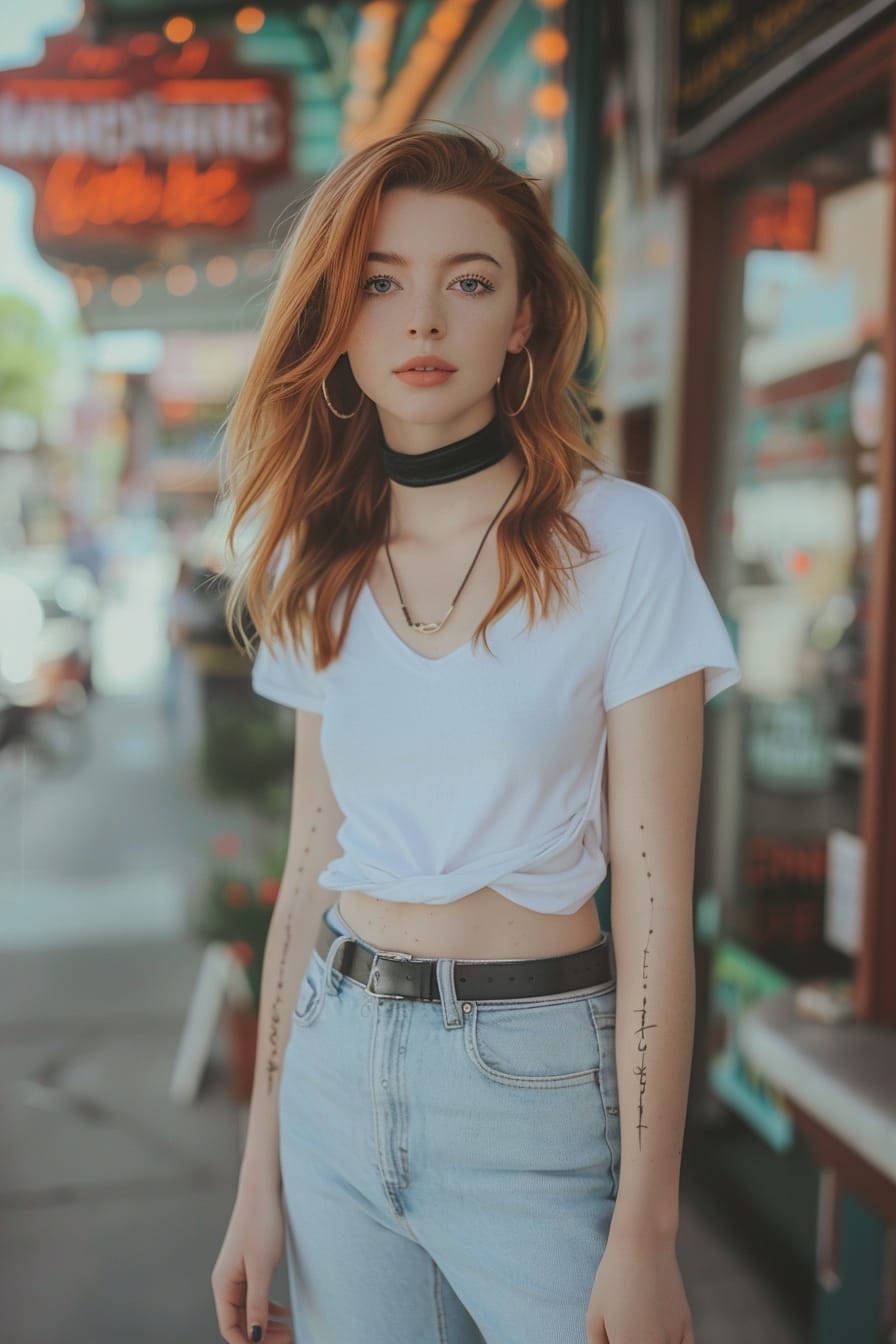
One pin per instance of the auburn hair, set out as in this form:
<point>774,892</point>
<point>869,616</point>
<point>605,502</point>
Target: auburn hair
<point>302,480</point>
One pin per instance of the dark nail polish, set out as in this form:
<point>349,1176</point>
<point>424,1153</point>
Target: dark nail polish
<point>256,1334</point>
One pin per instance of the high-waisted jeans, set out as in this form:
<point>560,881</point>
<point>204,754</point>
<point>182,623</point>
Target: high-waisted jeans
<point>450,1169</point>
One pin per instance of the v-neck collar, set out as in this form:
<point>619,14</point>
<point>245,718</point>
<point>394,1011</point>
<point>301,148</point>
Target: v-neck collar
<point>389,637</point>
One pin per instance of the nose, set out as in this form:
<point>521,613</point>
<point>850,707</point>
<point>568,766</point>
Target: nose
<point>426,317</point>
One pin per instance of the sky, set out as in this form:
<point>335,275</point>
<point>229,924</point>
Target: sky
<point>22,270</point>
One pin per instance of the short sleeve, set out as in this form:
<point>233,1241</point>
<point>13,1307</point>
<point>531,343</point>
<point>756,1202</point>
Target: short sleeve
<point>667,625</point>
<point>282,674</point>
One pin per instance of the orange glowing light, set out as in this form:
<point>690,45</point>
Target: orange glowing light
<point>221,271</point>
<point>181,410</point>
<point>550,4</point>
<point>378,11</point>
<point>181,195</point>
<point>212,91</point>
<point>179,29</point>
<point>95,60</point>
<point>180,281</point>
<point>549,46</point>
<point>369,51</point>
<point>249,19</point>
<point>549,101</point>
<point>770,222</point>
<point>189,60</point>
<point>447,24</point>
<point>800,563</point>
<point>83,290</point>
<point>144,44</point>
<point>125,290</point>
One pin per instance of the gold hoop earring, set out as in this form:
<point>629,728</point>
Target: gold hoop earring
<point>528,385</point>
<point>340,414</point>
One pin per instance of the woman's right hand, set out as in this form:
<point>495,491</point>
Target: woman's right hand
<point>253,1245</point>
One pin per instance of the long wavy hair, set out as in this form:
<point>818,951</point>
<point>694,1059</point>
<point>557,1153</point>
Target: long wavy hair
<point>310,488</point>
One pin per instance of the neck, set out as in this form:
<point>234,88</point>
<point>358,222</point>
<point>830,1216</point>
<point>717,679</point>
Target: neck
<point>451,479</point>
<point>441,512</point>
<point>413,437</point>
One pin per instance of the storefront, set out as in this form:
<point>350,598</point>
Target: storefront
<point>780,137</point>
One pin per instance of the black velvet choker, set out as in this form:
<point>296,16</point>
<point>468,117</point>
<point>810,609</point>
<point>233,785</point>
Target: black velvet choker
<point>452,461</point>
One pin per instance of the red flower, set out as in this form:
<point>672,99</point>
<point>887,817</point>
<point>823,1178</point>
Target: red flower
<point>243,952</point>
<point>226,844</point>
<point>267,890</point>
<point>236,895</point>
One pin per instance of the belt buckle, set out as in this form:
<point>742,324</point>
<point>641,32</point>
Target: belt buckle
<point>377,958</point>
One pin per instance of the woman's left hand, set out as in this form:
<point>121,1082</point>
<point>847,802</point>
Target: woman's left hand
<point>638,1296</point>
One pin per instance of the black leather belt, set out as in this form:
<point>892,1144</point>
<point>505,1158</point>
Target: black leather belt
<point>394,975</point>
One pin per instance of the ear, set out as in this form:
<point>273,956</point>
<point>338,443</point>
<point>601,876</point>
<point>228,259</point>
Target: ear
<point>522,327</point>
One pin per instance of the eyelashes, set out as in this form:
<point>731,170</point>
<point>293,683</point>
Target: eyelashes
<point>488,287</point>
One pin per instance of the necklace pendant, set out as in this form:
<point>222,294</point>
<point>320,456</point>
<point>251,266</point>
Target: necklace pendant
<point>431,627</point>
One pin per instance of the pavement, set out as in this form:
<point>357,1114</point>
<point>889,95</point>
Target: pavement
<point>113,1199</point>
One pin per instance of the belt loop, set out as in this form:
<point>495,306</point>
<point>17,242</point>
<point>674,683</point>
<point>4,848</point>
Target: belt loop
<point>445,979</point>
<point>326,988</point>
<point>338,942</point>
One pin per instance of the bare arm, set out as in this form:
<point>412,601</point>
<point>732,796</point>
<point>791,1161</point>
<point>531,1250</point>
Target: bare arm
<point>314,821</point>
<point>655,745</point>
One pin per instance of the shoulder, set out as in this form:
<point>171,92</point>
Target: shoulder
<point>625,517</point>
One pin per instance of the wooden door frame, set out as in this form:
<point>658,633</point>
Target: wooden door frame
<point>868,66</point>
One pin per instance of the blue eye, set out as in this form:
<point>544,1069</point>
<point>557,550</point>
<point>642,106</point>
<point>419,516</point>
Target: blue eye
<point>488,287</point>
<point>374,280</point>
<point>478,282</point>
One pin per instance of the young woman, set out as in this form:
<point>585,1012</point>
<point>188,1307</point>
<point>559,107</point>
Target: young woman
<point>498,655</point>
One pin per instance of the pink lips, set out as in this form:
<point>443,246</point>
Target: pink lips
<point>431,378</point>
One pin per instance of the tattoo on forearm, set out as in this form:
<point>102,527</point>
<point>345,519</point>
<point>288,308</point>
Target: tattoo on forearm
<point>645,1026</point>
<point>273,1065</point>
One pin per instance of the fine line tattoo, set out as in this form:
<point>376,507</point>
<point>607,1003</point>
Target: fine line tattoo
<point>644,1026</point>
<point>272,1067</point>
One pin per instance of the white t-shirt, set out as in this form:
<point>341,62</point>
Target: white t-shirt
<point>472,771</point>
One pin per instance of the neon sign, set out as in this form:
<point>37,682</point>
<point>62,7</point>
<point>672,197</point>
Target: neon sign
<point>765,219</point>
<point>132,139</point>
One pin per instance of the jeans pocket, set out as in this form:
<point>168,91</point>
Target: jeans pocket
<point>310,991</point>
<point>539,1043</point>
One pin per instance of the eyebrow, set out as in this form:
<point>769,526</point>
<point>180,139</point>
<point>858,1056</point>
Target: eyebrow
<point>459,258</point>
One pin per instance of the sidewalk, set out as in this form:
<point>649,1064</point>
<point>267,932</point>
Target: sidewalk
<point>113,1201</point>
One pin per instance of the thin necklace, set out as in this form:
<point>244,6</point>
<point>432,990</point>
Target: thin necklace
<point>431,627</point>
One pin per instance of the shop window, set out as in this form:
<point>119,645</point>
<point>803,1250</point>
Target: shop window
<point>797,507</point>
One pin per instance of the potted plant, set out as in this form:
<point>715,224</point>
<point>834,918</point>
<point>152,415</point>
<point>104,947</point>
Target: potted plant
<point>235,908</point>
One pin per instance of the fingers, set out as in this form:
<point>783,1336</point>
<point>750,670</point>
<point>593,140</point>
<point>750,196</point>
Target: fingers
<point>235,1322</point>
<point>228,1298</point>
<point>276,1330</point>
<point>256,1307</point>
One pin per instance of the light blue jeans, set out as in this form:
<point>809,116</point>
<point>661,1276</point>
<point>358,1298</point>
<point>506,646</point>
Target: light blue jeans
<point>449,1169</point>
